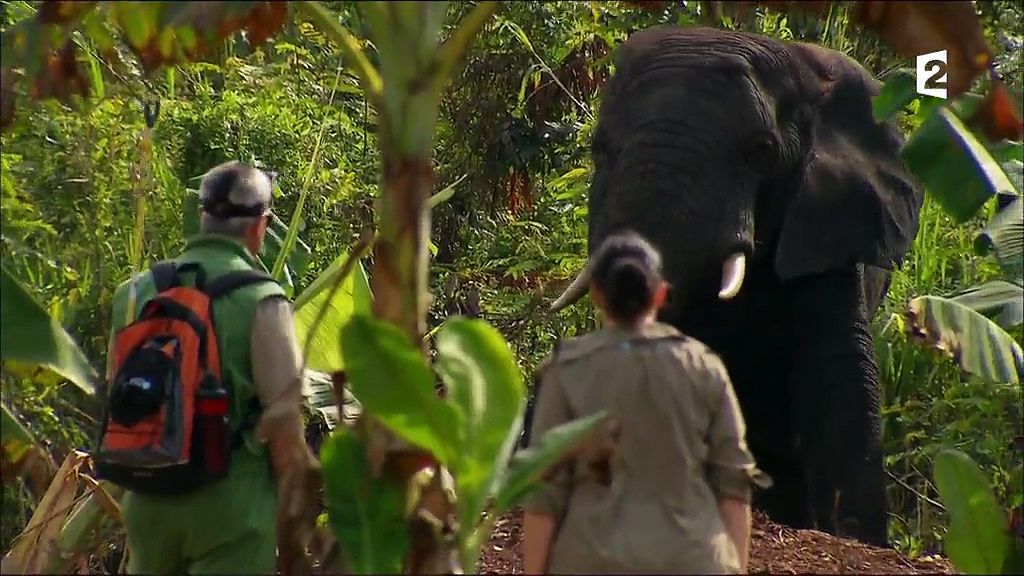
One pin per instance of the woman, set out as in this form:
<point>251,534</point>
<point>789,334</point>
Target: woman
<point>665,486</point>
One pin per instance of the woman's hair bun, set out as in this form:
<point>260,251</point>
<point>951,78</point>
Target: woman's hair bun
<point>627,270</point>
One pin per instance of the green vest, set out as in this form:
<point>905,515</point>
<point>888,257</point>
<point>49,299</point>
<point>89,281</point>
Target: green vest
<point>232,315</point>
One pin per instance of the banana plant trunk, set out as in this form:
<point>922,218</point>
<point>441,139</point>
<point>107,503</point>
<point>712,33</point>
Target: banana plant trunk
<point>405,87</point>
<point>399,285</point>
<point>399,277</point>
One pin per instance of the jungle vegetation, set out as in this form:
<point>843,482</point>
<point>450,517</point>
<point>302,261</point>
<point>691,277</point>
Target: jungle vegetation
<point>95,187</point>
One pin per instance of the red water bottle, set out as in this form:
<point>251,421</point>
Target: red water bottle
<point>211,426</point>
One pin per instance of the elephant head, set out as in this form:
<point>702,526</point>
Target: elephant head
<point>732,152</point>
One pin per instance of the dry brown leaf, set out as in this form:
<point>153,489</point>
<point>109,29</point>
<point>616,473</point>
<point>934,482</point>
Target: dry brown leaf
<point>339,380</point>
<point>6,98</point>
<point>298,507</point>
<point>389,455</point>
<point>378,440</point>
<point>431,526</point>
<point>594,451</point>
<point>326,549</point>
<point>921,329</point>
<point>402,465</point>
<point>107,502</point>
<point>1017,521</point>
<point>408,465</point>
<point>60,12</point>
<point>299,482</point>
<point>35,467</point>
<point>60,76</point>
<point>913,28</point>
<point>265,20</point>
<point>650,6</point>
<point>34,548</point>
<point>996,116</point>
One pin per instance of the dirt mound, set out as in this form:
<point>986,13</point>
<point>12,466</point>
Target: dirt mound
<point>774,550</point>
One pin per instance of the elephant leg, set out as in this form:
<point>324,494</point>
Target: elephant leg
<point>787,501</point>
<point>834,386</point>
<point>759,373</point>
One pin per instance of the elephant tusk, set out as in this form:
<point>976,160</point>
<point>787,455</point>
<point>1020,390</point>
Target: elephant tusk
<point>574,292</point>
<point>733,270</point>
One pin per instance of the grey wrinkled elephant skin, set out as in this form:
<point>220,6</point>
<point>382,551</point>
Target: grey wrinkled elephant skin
<point>717,144</point>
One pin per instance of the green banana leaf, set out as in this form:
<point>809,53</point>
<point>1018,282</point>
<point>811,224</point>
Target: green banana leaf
<point>16,440</point>
<point>899,90</point>
<point>318,391</point>
<point>34,345</point>
<point>352,297</point>
<point>999,300</point>
<point>1004,239</point>
<point>978,539</point>
<point>976,343</point>
<point>957,169</point>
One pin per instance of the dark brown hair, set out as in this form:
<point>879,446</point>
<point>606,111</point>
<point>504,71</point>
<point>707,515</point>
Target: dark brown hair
<point>627,270</point>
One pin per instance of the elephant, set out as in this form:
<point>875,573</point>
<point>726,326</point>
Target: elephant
<point>780,207</point>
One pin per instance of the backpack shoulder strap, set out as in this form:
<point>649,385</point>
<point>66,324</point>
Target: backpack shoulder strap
<point>165,276</point>
<point>231,281</point>
<point>199,281</point>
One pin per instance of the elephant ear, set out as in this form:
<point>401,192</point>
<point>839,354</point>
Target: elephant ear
<point>856,201</point>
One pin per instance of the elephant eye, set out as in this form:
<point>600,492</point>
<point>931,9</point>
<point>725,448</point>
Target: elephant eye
<point>759,152</point>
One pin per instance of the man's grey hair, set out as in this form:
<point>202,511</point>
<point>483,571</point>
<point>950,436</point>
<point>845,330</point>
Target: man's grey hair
<point>249,186</point>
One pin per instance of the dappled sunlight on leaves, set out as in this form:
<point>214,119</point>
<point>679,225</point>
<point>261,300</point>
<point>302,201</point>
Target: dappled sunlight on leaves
<point>157,33</point>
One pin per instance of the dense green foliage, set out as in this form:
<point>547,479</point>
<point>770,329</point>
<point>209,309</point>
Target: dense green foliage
<point>514,132</point>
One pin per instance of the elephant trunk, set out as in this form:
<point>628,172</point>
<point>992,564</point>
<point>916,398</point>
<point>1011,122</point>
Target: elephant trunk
<point>573,292</point>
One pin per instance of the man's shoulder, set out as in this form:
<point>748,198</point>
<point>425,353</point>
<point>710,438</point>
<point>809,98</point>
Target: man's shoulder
<point>142,281</point>
<point>138,278</point>
<point>259,291</point>
<point>121,289</point>
<point>274,307</point>
<point>247,283</point>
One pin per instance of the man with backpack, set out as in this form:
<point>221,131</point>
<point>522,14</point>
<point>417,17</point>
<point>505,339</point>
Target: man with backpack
<point>203,425</point>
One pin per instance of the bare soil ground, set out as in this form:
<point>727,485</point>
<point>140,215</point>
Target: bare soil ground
<point>774,550</point>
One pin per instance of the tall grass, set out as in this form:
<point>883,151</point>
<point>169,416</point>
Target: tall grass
<point>928,404</point>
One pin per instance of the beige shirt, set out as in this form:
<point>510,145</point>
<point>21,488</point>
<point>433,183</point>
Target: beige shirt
<point>677,447</point>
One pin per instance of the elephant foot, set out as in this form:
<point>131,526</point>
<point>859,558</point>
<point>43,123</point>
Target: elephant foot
<point>849,528</point>
<point>854,512</point>
<point>852,528</point>
<point>860,508</point>
<point>772,506</point>
<point>787,502</point>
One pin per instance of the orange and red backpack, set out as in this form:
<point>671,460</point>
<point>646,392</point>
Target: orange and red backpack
<point>167,427</point>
